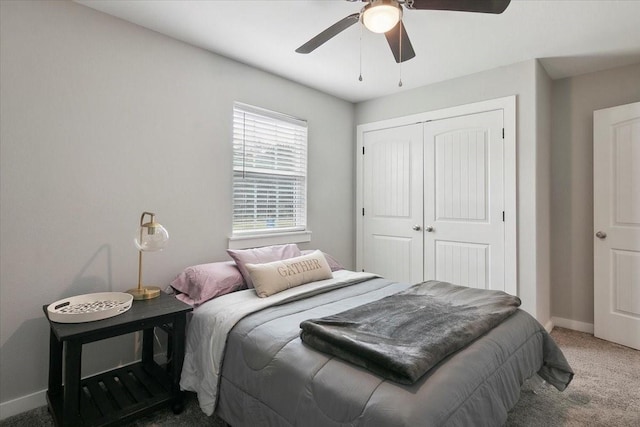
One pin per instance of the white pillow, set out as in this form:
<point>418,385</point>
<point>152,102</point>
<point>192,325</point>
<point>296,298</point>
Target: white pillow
<point>278,276</point>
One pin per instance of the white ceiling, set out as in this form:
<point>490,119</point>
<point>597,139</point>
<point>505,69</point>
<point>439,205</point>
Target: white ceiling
<point>570,37</point>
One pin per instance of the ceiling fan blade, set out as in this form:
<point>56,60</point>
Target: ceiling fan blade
<point>327,34</point>
<point>393,38</point>
<point>482,6</point>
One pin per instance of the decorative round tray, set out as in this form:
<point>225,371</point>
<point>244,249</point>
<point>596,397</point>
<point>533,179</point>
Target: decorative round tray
<point>89,307</point>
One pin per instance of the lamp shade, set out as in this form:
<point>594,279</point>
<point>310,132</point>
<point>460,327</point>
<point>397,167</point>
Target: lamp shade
<point>151,236</point>
<point>380,16</point>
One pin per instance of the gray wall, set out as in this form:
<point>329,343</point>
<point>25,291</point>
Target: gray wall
<point>102,120</point>
<point>519,79</point>
<point>574,100</point>
<point>544,86</point>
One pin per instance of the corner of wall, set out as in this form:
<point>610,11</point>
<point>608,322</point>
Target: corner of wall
<point>543,92</point>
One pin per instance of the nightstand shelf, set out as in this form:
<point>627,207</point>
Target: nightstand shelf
<point>124,393</point>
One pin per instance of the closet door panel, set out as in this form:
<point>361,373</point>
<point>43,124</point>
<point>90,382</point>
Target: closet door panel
<point>465,264</point>
<point>393,207</point>
<point>464,200</point>
<point>461,168</point>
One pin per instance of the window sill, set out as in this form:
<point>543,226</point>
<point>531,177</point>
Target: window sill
<point>257,240</point>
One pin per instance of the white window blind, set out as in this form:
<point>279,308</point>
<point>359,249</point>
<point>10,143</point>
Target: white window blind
<point>269,171</point>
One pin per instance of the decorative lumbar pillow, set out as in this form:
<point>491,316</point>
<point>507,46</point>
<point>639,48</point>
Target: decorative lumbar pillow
<point>277,276</point>
<point>200,283</point>
<point>261,256</point>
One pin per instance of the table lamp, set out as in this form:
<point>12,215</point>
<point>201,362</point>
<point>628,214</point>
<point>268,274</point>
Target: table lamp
<point>151,237</point>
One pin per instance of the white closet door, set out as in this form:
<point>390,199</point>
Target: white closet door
<point>464,200</point>
<point>616,218</point>
<point>393,203</point>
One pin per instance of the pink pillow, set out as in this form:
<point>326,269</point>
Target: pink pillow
<point>261,256</point>
<point>333,263</point>
<point>200,283</point>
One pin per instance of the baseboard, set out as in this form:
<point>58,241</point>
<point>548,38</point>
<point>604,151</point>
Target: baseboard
<point>573,324</point>
<point>549,325</point>
<point>22,404</point>
<point>39,398</point>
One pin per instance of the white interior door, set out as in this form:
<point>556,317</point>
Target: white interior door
<point>616,177</point>
<point>464,200</point>
<point>392,164</point>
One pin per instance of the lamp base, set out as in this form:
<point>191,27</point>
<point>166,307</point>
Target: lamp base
<point>145,292</point>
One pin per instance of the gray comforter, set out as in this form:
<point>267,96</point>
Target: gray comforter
<point>270,377</point>
<point>402,336</point>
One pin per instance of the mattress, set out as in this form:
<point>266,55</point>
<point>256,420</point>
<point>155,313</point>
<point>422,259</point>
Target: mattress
<point>269,377</point>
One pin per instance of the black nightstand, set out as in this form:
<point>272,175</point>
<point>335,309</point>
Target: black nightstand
<point>123,393</point>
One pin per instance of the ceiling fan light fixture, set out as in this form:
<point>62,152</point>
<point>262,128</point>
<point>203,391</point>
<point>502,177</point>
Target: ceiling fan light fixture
<point>380,16</point>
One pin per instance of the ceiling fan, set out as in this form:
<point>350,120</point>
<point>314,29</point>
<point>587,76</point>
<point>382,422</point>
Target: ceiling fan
<point>385,16</point>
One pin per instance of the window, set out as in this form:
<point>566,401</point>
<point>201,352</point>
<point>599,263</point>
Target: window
<point>269,172</point>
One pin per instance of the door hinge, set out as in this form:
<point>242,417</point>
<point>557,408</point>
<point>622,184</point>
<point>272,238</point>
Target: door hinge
<point>363,151</point>
<point>502,216</point>
<point>362,211</point>
<point>502,133</point>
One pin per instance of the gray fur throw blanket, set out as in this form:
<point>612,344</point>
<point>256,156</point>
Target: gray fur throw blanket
<point>402,336</point>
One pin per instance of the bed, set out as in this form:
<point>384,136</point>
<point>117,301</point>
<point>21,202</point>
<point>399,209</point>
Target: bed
<point>247,363</point>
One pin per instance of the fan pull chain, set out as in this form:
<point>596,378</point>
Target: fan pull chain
<point>400,65</point>
<point>360,76</point>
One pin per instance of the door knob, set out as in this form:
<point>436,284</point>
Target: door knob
<point>416,227</point>
<point>429,229</point>
<point>601,235</point>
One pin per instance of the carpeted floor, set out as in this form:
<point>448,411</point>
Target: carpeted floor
<point>605,392</point>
